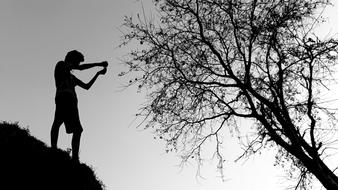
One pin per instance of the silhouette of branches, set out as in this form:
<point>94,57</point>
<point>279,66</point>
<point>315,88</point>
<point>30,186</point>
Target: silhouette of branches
<point>208,64</point>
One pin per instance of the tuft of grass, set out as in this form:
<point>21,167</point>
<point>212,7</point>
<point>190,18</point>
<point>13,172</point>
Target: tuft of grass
<point>27,163</point>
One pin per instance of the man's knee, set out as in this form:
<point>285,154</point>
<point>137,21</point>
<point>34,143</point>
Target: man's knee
<point>79,129</point>
<point>78,132</point>
<point>55,128</point>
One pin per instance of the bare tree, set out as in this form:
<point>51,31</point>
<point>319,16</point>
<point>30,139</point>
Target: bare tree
<point>207,64</point>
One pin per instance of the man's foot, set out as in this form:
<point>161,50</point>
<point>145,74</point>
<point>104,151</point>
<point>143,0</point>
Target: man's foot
<point>76,160</point>
<point>53,147</point>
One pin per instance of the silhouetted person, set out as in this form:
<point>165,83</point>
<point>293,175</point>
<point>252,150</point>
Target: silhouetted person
<point>66,110</point>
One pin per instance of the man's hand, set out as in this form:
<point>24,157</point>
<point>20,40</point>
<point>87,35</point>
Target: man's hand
<point>103,71</point>
<point>104,64</point>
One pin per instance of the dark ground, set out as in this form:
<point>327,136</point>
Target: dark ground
<point>27,163</point>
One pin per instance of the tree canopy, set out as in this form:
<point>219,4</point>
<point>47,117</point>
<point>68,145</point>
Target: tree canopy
<point>207,64</point>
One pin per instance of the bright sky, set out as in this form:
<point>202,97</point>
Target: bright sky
<point>35,34</point>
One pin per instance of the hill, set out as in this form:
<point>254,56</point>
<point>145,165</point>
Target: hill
<point>27,163</point>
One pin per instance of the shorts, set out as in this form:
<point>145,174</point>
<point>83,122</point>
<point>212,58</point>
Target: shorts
<point>67,112</point>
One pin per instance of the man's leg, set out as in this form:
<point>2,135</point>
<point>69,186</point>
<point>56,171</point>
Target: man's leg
<point>76,145</point>
<point>73,125</point>
<point>54,133</point>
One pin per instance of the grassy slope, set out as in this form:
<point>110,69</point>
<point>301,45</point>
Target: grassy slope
<point>27,163</point>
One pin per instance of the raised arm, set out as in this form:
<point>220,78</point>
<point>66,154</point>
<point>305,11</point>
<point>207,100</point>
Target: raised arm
<point>91,82</point>
<point>90,65</point>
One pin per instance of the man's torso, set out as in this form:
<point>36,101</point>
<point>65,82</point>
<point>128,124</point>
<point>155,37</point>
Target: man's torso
<point>64,80</point>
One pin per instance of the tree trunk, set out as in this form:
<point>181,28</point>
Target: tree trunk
<point>327,178</point>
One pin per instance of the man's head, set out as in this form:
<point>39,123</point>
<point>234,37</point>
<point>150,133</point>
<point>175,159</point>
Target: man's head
<point>74,58</point>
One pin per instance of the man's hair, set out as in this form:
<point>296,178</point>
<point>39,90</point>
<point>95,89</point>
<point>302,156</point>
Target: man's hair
<point>74,56</point>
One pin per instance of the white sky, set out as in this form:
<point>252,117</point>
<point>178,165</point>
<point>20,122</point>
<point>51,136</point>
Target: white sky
<point>35,34</point>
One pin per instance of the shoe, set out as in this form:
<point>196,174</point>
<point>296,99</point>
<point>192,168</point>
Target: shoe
<point>75,160</point>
